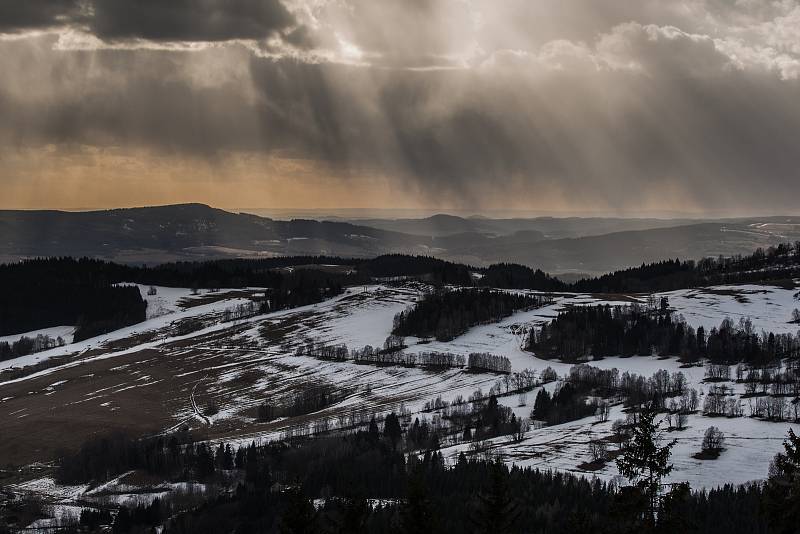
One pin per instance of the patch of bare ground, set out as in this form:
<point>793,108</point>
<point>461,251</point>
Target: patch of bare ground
<point>131,341</point>
<point>219,338</point>
<point>141,392</point>
<point>621,297</point>
<point>708,454</point>
<point>740,295</point>
<point>210,298</point>
<point>595,465</point>
<point>277,331</point>
<point>600,463</point>
<point>731,292</point>
<point>15,373</point>
<point>60,410</point>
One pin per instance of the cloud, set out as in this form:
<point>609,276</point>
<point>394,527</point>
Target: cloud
<point>37,14</point>
<point>188,20</point>
<point>174,21</point>
<point>452,101</point>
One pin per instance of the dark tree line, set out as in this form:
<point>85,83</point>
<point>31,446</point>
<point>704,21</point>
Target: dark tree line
<point>515,276</point>
<point>599,331</point>
<point>424,268</point>
<point>566,404</point>
<point>310,398</point>
<point>301,288</point>
<point>286,288</point>
<point>64,291</point>
<point>393,355</point>
<point>446,314</point>
<point>28,345</point>
<point>74,288</point>
<point>483,361</point>
<point>43,293</point>
<point>776,263</point>
<point>104,457</point>
<point>390,355</point>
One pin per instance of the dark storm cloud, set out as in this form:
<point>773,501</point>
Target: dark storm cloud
<point>155,20</point>
<point>188,20</point>
<point>16,15</point>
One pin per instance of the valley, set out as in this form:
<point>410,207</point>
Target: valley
<point>150,379</point>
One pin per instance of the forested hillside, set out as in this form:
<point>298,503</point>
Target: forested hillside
<point>776,263</point>
<point>421,267</point>
<point>418,492</point>
<point>50,292</point>
<point>513,276</point>
<point>63,291</point>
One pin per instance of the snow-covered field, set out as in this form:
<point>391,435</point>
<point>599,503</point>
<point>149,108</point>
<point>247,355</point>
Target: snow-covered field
<point>64,332</point>
<point>163,309</point>
<point>768,307</point>
<point>239,364</point>
<point>750,443</point>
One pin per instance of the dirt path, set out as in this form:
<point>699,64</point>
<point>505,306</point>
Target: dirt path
<point>194,403</point>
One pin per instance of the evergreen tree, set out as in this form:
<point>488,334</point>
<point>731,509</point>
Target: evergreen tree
<point>782,490</point>
<point>645,462</point>
<point>349,515</point>
<point>354,517</point>
<point>541,406</point>
<point>373,429</point>
<point>675,514</point>
<point>392,430</point>
<point>417,516</point>
<point>496,510</point>
<point>298,515</point>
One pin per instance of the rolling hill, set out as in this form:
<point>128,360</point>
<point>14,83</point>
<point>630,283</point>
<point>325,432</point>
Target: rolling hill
<point>196,231</point>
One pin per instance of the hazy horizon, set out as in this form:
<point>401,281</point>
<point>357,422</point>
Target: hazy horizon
<point>355,214</point>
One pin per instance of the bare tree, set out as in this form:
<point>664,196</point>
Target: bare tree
<point>520,429</point>
<point>713,440</point>
<point>621,432</point>
<point>603,411</point>
<point>680,420</point>
<point>598,450</point>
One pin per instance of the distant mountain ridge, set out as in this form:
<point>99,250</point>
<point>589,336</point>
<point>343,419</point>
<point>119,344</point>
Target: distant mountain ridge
<point>183,231</point>
<point>547,227</point>
<point>197,231</point>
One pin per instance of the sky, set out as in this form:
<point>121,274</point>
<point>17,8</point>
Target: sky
<point>556,106</point>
